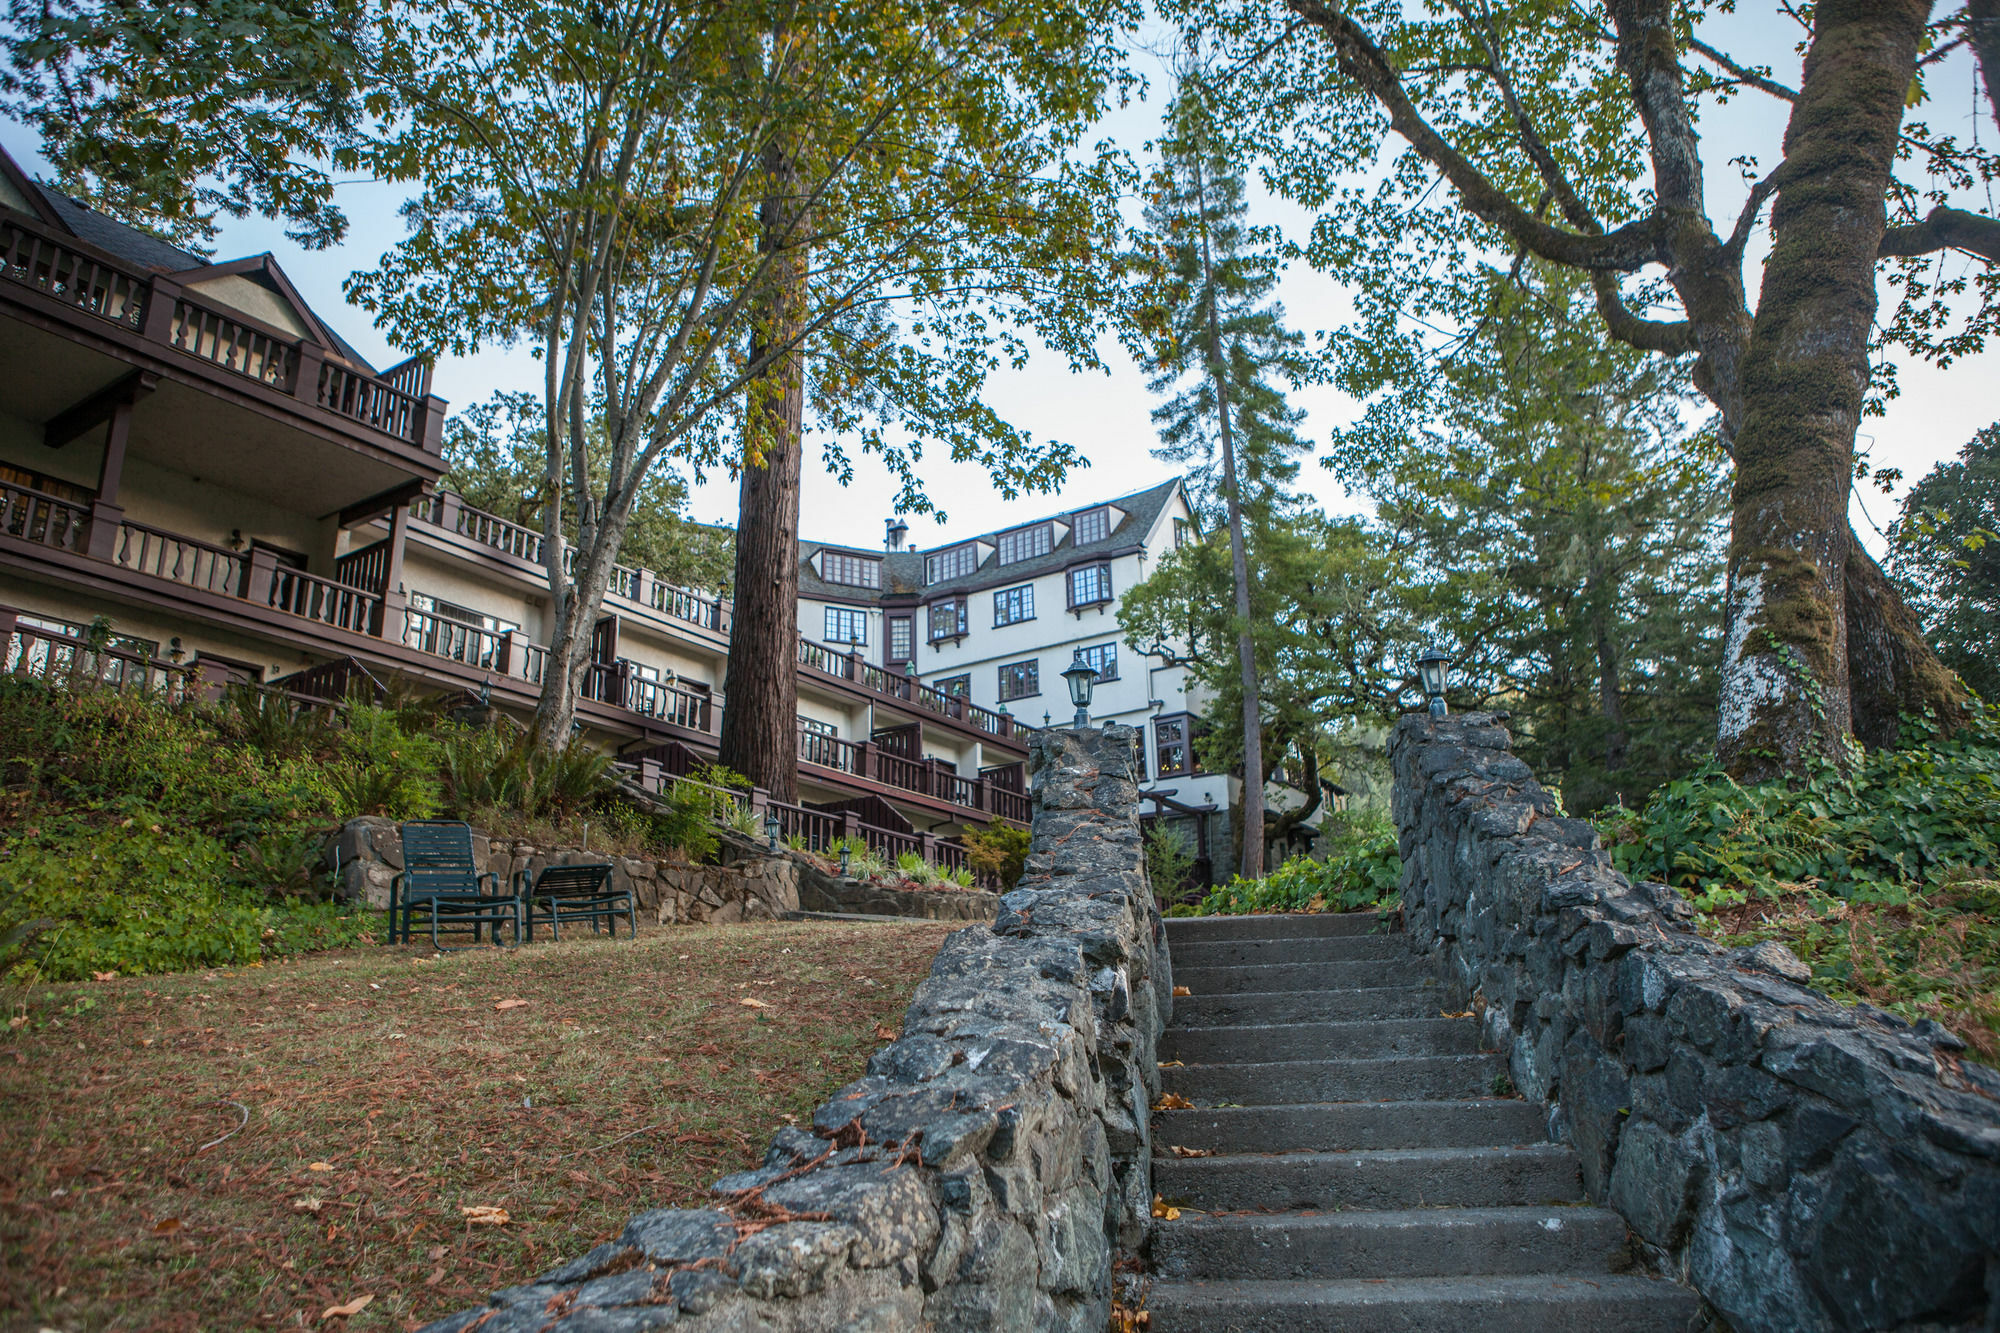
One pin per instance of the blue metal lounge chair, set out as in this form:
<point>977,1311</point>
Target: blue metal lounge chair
<point>440,876</point>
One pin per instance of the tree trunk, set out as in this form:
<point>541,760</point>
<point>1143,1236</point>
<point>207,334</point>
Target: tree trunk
<point>1610,699</point>
<point>1784,669</point>
<point>1891,670</point>
<point>760,714</point>
<point>567,669</point>
<point>1982,24</point>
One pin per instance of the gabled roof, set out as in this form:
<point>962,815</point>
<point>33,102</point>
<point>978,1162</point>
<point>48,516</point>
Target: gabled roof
<point>903,571</point>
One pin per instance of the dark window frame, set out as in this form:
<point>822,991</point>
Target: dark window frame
<point>1024,594</point>
<point>836,566</point>
<point>1101,514</point>
<point>853,615</point>
<point>1108,651</point>
<point>966,554</point>
<point>1184,766</point>
<point>1040,537</point>
<point>1028,671</point>
<point>1101,568</point>
<point>945,605</point>
<point>958,687</point>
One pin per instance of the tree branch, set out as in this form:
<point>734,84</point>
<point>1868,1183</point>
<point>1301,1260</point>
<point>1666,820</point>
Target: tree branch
<point>1627,249</point>
<point>1648,335</point>
<point>1944,229</point>
<point>1763,83</point>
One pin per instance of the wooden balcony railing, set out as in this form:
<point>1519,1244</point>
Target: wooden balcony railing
<point>203,331</point>
<point>617,683</point>
<point>321,600</point>
<point>816,747</point>
<point>366,569</point>
<point>40,260</point>
<point>33,652</point>
<point>58,267</point>
<point>178,559</point>
<point>43,519</point>
<point>892,685</point>
<point>923,777</point>
<point>470,645</point>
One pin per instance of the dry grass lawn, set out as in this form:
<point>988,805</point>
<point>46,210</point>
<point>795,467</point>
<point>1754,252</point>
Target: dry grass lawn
<point>381,1094</point>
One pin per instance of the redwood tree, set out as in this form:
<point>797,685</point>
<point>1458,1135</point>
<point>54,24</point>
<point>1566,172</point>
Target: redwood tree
<point>1537,118</point>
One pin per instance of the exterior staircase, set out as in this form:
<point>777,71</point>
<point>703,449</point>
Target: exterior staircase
<point>1365,1171</point>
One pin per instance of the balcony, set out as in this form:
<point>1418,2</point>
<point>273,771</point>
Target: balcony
<point>518,548</point>
<point>112,316</point>
<point>903,689</point>
<point>995,792</point>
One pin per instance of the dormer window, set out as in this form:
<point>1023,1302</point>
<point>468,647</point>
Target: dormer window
<point>855,571</point>
<point>1025,543</point>
<point>956,563</point>
<point>1092,525</point>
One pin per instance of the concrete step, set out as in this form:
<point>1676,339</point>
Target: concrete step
<point>1415,1242</point>
<point>1264,978</point>
<point>1479,1123</point>
<point>1310,949</point>
<point>1538,1303</point>
<point>1263,1043</point>
<point>1273,927</point>
<point>1192,1012</point>
<point>1401,1078</point>
<point>1535,1174</point>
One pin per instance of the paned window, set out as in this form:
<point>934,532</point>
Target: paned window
<point>1183,533</point>
<point>1019,680</point>
<point>1025,544</point>
<point>947,619</point>
<point>953,564</point>
<point>1170,746</point>
<point>818,728</point>
<point>856,571</point>
<point>1092,525</point>
<point>1013,605</point>
<point>958,687</point>
<point>1103,659</point>
<point>1090,585</point>
<point>902,639</point>
<point>846,624</point>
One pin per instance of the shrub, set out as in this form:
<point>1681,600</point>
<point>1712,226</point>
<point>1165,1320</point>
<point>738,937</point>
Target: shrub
<point>1361,871</point>
<point>383,769</point>
<point>1169,858</point>
<point>999,849</point>
<point>132,897</point>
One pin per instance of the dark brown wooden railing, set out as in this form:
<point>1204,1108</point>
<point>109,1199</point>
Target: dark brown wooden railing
<point>43,519</point>
<point>616,683</point>
<point>62,269</point>
<point>816,828</point>
<point>178,559</point>
<point>38,259</point>
<point>470,645</point>
<point>64,659</point>
<point>366,569</point>
<point>892,685</point>
<point>323,601</point>
<point>203,331</point>
<point>371,402</point>
<point>816,747</point>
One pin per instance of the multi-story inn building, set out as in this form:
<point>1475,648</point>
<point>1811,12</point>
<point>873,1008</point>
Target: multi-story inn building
<point>191,454</point>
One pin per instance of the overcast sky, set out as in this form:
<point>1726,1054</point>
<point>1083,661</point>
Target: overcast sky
<point>1106,416</point>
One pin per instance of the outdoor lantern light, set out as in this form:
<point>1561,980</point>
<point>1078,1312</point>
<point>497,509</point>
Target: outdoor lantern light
<point>772,828</point>
<point>1082,677</point>
<point>1432,668</point>
<point>846,859</point>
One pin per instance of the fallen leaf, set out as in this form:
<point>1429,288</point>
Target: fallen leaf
<point>1162,1209</point>
<point>511,1004</point>
<point>484,1215</point>
<point>1445,1014</point>
<point>754,1003</point>
<point>1173,1064</point>
<point>166,1226</point>
<point>18,1019</point>
<point>307,1204</point>
<point>1179,1151</point>
<point>319,1166</point>
<point>1173,1101</point>
<point>355,1306</point>
<point>885,1033</point>
<point>103,976</point>
<point>1182,990</point>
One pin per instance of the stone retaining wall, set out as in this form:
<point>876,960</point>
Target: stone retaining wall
<point>1803,1164</point>
<point>821,892</point>
<point>981,1174</point>
<point>748,886</point>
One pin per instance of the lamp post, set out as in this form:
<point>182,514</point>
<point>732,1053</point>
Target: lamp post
<point>1432,668</point>
<point>1081,677</point>
<point>772,828</point>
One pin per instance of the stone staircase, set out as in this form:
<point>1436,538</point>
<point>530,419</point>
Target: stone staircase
<point>1365,1176</point>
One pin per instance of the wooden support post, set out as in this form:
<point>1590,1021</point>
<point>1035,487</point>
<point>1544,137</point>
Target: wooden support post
<point>389,614</point>
<point>106,516</point>
<point>258,573</point>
